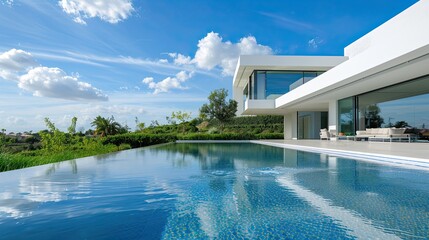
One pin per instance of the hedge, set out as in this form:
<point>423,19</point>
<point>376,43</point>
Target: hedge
<point>230,136</point>
<point>140,140</point>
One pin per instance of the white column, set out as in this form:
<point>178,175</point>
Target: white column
<point>237,94</point>
<point>291,125</point>
<point>333,116</point>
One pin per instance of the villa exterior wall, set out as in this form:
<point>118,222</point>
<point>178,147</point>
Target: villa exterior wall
<point>394,52</point>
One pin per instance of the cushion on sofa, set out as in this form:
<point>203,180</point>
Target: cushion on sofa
<point>394,131</point>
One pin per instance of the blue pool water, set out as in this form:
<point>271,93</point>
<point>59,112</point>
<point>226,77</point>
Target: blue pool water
<point>214,191</point>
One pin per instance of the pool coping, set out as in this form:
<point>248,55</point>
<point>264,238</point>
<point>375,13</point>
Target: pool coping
<point>358,155</point>
<point>365,156</point>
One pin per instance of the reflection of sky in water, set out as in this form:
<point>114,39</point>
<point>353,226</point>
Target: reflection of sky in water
<point>413,110</point>
<point>189,191</point>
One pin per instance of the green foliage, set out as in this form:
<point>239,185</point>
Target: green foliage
<point>139,139</point>
<point>72,128</point>
<point>39,157</point>
<point>218,108</point>
<point>401,124</point>
<point>58,146</point>
<point>373,117</point>
<point>229,136</point>
<point>107,126</point>
<point>124,146</point>
<point>180,116</point>
<point>52,140</point>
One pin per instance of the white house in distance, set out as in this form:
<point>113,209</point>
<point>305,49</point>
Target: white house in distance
<point>381,81</point>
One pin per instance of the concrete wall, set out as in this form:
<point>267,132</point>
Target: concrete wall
<point>400,40</point>
<point>290,125</point>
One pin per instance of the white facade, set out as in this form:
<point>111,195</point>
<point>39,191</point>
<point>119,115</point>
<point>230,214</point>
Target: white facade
<point>394,52</point>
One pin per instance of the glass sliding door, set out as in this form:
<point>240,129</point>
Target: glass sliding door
<point>401,105</point>
<point>310,123</point>
<point>346,116</point>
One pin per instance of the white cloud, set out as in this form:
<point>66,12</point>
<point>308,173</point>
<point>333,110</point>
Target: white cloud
<point>112,110</point>
<point>147,80</point>
<point>15,61</point>
<point>168,83</point>
<point>15,120</point>
<point>7,2</point>
<point>214,52</point>
<point>315,42</point>
<point>54,83</point>
<point>180,59</point>
<point>112,11</point>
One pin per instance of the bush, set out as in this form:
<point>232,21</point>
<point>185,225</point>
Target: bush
<point>138,139</point>
<point>230,136</point>
<point>124,146</point>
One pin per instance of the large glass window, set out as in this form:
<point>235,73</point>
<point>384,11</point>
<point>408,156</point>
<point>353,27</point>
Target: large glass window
<point>273,84</point>
<point>346,116</point>
<point>402,105</point>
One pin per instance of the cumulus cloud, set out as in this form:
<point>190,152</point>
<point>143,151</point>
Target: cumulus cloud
<point>168,83</point>
<point>213,52</point>
<point>55,83</point>
<point>180,59</point>
<point>112,11</point>
<point>14,62</point>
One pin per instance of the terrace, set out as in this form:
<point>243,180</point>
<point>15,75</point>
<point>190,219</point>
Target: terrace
<point>408,154</point>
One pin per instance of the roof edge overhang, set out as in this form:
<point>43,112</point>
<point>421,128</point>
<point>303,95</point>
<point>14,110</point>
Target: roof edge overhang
<point>248,63</point>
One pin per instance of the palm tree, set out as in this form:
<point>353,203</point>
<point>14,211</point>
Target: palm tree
<point>105,126</point>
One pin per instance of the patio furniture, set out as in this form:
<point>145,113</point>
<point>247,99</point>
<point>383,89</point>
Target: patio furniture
<point>327,134</point>
<point>382,134</point>
<point>324,134</point>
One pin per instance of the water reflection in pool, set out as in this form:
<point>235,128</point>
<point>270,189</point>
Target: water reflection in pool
<point>204,191</point>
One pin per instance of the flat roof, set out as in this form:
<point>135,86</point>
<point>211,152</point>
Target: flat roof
<point>248,63</point>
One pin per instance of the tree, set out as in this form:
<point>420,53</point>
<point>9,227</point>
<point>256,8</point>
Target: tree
<point>53,139</point>
<point>401,124</point>
<point>2,136</point>
<point>180,116</point>
<point>72,128</point>
<point>139,125</point>
<point>106,126</point>
<point>372,115</point>
<point>218,107</point>
<point>154,123</point>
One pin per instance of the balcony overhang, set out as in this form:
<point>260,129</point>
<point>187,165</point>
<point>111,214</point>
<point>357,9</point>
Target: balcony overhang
<point>249,63</point>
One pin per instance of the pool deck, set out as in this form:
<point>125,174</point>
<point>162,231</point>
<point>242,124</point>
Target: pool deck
<point>402,153</point>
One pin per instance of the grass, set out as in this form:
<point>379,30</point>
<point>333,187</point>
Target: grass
<point>39,157</point>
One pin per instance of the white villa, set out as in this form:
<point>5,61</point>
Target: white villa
<point>381,81</point>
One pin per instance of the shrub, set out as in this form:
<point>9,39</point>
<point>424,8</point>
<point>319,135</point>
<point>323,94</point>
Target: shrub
<point>124,146</point>
<point>230,136</point>
<point>139,139</point>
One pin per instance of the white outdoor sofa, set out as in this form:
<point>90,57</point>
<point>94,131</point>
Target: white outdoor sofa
<point>382,134</point>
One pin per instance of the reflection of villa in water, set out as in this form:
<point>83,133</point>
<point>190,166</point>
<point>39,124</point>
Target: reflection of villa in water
<point>381,81</point>
<point>233,198</point>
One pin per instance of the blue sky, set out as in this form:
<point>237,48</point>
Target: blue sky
<point>146,59</point>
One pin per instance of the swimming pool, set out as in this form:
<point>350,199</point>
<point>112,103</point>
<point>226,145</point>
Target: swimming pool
<point>204,191</point>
